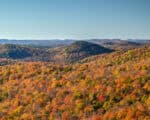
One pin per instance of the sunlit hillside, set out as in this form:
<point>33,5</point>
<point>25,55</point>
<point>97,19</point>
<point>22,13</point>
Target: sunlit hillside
<point>74,59</point>
<point>114,86</point>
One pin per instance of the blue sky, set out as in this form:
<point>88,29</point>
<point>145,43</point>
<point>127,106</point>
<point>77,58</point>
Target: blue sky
<point>74,19</point>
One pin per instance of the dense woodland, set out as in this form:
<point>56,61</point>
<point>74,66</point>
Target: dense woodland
<point>109,86</point>
<point>61,55</point>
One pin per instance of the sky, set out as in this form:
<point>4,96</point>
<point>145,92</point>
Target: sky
<point>74,19</point>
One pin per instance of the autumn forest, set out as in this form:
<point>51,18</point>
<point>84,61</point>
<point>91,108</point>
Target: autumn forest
<point>80,81</point>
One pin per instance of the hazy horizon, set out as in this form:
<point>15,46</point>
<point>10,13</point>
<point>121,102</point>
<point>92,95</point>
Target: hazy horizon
<point>79,39</point>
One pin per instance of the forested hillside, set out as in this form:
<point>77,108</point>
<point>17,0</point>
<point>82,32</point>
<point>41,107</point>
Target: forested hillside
<point>77,51</point>
<point>12,51</point>
<point>62,55</point>
<point>114,86</point>
<point>118,44</point>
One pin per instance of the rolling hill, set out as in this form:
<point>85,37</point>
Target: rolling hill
<point>66,54</point>
<point>12,51</point>
<point>114,86</point>
<point>109,43</point>
<point>117,44</point>
<point>77,51</point>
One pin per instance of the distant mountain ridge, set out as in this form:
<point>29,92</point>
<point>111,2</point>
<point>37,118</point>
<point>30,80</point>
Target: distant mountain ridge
<point>117,44</point>
<point>77,51</point>
<point>12,51</point>
<point>50,43</point>
<point>68,41</point>
<point>64,54</point>
<point>140,41</point>
<point>110,43</point>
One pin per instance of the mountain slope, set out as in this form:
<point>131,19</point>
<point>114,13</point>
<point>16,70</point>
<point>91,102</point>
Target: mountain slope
<point>117,44</point>
<point>65,54</point>
<point>14,51</point>
<point>77,51</point>
<point>20,52</point>
<point>112,86</point>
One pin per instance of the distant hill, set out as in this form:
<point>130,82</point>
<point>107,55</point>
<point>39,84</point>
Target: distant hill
<point>117,44</point>
<point>65,54</point>
<point>62,51</point>
<point>19,51</point>
<point>38,43</point>
<point>140,41</point>
<point>14,51</point>
<point>77,51</point>
<point>110,43</point>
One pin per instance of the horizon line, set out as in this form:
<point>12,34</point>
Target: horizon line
<point>77,39</point>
